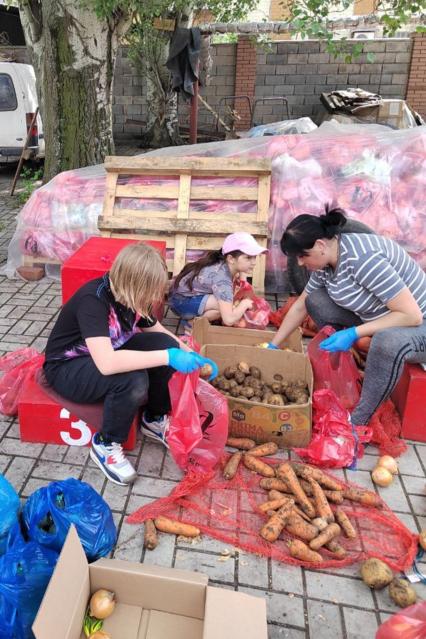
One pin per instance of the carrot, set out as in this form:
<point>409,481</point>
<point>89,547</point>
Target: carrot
<point>322,506</point>
<point>150,538</point>
<point>276,494</point>
<point>273,527</point>
<point>231,466</point>
<point>243,443</point>
<point>273,504</point>
<point>363,497</point>
<point>346,524</point>
<point>287,474</point>
<point>271,483</point>
<point>255,464</point>
<point>335,496</point>
<point>175,527</point>
<point>333,530</point>
<point>334,547</point>
<point>299,550</point>
<point>297,526</point>
<point>320,523</point>
<point>309,472</point>
<point>269,448</point>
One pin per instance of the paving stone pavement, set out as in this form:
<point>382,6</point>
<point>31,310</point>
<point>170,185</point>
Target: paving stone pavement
<point>302,604</point>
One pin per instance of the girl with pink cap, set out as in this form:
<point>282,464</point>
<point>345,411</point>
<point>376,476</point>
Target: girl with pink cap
<point>205,287</point>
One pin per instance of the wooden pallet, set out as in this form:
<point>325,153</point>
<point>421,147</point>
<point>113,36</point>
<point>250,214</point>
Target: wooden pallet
<point>182,227</point>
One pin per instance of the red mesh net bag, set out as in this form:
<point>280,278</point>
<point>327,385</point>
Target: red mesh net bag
<point>386,428</point>
<point>15,369</point>
<point>228,511</point>
<point>309,328</point>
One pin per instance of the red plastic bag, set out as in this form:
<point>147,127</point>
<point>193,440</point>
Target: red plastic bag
<point>335,442</point>
<point>17,368</point>
<point>335,371</point>
<point>198,424</point>
<point>408,624</point>
<point>256,317</point>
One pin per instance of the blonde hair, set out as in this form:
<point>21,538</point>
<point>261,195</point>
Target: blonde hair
<point>138,278</point>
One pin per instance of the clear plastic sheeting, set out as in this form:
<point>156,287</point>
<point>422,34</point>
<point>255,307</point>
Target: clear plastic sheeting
<point>285,127</point>
<point>377,175</point>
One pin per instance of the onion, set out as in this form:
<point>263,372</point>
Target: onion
<point>102,604</point>
<point>388,462</point>
<point>99,634</point>
<point>381,476</point>
<point>422,539</point>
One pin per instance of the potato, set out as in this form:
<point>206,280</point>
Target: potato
<point>250,380</point>
<point>276,387</point>
<point>402,593</point>
<point>301,399</point>
<point>230,371</point>
<point>235,391</point>
<point>224,385</point>
<point>276,400</point>
<point>232,383</point>
<point>239,377</point>
<point>375,573</point>
<point>256,399</point>
<point>255,372</point>
<point>266,397</point>
<point>243,367</point>
<point>247,392</point>
<point>206,370</point>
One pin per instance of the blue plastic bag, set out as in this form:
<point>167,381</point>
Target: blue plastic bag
<point>25,571</point>
<point>9,507</point>
<point>49,512</point>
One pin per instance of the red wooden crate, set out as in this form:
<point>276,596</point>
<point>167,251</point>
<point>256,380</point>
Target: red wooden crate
<point>409,398</point>
<point>93,259</point>
<point>43,420</point>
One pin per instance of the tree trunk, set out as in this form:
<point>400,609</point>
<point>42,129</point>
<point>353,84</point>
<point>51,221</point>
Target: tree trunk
<point>162,127</point>
<point>73,53</point>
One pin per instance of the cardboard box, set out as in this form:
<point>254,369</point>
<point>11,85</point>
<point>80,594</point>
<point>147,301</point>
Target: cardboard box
<point>152,602</point>
<point>288,425</point>
<point>206,333</point>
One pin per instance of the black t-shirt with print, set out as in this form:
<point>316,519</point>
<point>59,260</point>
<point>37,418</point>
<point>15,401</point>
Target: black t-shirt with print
<point>91,312</point>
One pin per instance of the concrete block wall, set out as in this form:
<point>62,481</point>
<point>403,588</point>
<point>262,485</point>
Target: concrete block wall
<point>301,71</point>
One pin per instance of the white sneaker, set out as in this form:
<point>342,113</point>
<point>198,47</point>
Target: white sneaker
<point>112,461</point>
<point>157,429</point>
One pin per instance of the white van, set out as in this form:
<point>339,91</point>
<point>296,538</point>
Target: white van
<point>18,102</point>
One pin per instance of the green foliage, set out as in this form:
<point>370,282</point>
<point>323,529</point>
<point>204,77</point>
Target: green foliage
<point>28,182</point>
<point>310,19</point>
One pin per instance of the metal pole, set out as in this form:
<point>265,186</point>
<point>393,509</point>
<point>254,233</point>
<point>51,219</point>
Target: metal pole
<point>193,117</point>
<point>21,159</point>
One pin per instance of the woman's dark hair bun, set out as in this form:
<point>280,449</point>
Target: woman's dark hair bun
<point>332,221</point>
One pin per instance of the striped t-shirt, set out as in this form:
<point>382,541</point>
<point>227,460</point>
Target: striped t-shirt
<point>370,272</point>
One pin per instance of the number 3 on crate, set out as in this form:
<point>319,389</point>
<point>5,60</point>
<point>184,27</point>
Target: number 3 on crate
<point>80,427</point>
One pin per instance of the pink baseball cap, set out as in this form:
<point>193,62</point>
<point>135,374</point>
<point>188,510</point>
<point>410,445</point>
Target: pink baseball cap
<point>243,242</point>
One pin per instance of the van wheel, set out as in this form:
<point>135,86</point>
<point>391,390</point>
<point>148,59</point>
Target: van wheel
<point>298,276</point>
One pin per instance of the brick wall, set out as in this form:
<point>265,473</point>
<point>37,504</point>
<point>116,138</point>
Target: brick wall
<point>416,89</point>
<point>300,71</point>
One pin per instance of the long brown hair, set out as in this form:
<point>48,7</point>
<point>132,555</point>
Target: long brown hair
<point>210,258</point>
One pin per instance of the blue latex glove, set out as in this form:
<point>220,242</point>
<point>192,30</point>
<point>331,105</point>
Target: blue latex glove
<point>272,347</point>
<point>188,362</point>
<point>340,341</point>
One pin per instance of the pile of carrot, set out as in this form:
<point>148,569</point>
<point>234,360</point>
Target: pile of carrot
<point>302,502</point>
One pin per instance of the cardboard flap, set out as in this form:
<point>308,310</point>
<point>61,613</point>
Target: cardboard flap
<point>65,600</point>
<point>234,615</point>
<point>180,592</point>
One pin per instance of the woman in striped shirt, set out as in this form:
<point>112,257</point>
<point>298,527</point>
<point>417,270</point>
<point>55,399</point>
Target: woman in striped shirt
<point>362,285</point>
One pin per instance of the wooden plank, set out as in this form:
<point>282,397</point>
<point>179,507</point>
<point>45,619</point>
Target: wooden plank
<point>193,215</point>
<point>243,193</point>
<point>195,166</point>
<point>193,226</point>
<point>140,191</point>
<point>111,183</point>
<point>264,196</point>
<point>184,196</point>
<point>30,260</point>
<point>180,253</point>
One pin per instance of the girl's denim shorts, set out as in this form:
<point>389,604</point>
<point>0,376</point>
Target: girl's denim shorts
<point>188,307</point>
